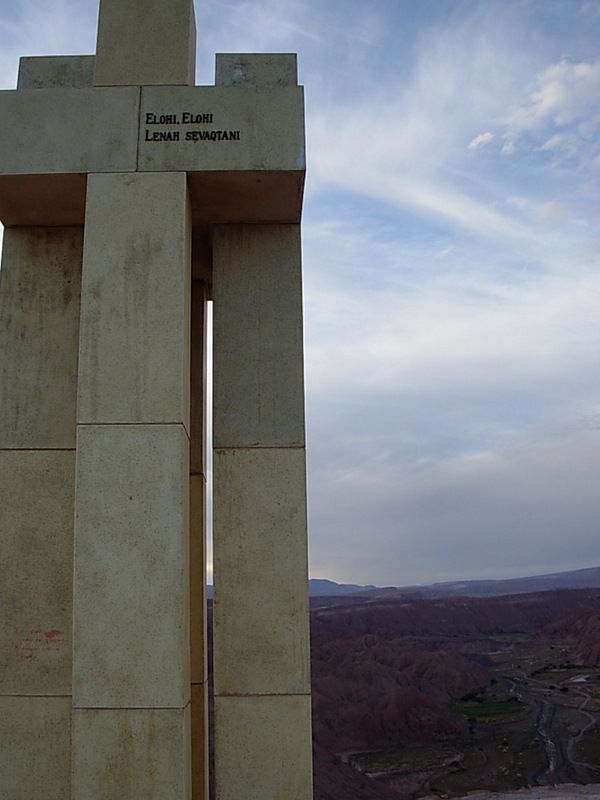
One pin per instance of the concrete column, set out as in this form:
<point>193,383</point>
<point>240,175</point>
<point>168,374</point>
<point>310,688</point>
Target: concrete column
<point>149,43</point>
<point>119,443</point>
<point>261,633</point>
<point>198,624</point>
<point>131,665</point>
<point>39,328</point>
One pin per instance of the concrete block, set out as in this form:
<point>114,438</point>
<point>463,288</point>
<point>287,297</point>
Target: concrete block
<point>39,334</point>
<point>215,129</point>
<point>243,151</point>
<point>133,753</point>
<point>35,742</point>
<point>198,378</point>
<point>50,139</point>
<point>55,72</point>
<point>131,579</point>
<point>68,130</point>
<point>260,606</point>
<point>251,196</point>
<point>263,748</point>
<point>135,308</point>
<point>200,764</point>
<point>36,568</point>
<point>56,200</point>
<point>165,43</point>
<point>258,336</point>
<point>198,631</point>
<point>254,70</point>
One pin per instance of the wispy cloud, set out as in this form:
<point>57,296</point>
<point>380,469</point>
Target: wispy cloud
<point>559,114</point>
<point>562,93</point>
<point>481,139</point>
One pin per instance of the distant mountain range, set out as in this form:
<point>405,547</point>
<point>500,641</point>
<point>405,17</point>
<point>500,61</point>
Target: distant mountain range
<point>588,578</point>
<point>319,587</point>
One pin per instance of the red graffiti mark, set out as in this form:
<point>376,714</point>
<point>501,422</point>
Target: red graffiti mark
<point>52,634</point>
<point>25,656</point>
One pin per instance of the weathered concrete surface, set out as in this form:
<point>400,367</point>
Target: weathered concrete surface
<point>81,130</point>
<point>263,748</point>
<point>131,582</point>
<point>35,743</point>
<point>258,336</point>
<point>35,747</point>
<point>135,312</point>
<point>260,607</point>
<point>198,633</point>
<point>36,570</point>
<point>270,123</point>
<point>138,754</point>
<point>145,43</point>
<point>198,486</point>
<point>55,72</point>
<point>39,331</point>
<point>261,634</point>
<point>199,739</point>
<point>265,70</point>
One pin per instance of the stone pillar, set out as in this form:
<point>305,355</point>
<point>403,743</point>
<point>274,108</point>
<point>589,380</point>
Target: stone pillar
<point>39,329</point>
<point>261,636</point>
<point>198,479</point>
<point>150,167</point>
<point>145,43</point>
<point>131,664</point>
<point>39,322</point>
<point>131,678</point>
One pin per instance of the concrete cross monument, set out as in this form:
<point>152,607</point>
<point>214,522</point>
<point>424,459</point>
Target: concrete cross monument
<point>130,197</point>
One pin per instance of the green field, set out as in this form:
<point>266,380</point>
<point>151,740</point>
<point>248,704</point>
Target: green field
<point>489,710</point>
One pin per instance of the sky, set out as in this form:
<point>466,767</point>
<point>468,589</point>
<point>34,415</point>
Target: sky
<point>451,255</point>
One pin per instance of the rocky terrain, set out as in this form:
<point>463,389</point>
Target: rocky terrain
<point>439,698</point>
<point>485,697</point>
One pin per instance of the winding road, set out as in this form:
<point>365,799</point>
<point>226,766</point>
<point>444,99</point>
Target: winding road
<point>575,739</point>
<point>553,773</point>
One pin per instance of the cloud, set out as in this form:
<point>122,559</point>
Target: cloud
<point>560,114</point>
<point>400,169</point>
<point>555,142</point>
<point>482,138</point>
<point>526,509</point>
<point>402,143</point>
<point>562,93</point>
<point>388,303</point>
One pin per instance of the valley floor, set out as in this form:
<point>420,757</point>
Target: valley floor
<point>535,725</point>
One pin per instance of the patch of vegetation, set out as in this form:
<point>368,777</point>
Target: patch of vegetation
<point>567,667</point>
<point>417,756</point>
<point>481,710</point>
